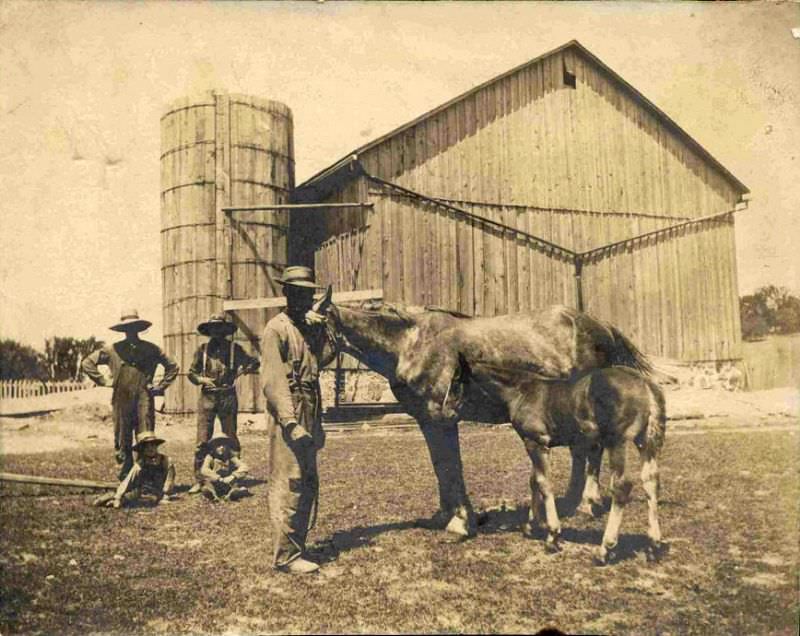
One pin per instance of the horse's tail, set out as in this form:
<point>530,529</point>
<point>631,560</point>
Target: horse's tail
<point>626,354</point>
<point>656,420</point>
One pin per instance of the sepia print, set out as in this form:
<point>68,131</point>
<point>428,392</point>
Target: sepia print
<point>377,317</point>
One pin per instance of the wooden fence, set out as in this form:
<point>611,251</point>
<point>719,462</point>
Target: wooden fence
<point>13,389</point>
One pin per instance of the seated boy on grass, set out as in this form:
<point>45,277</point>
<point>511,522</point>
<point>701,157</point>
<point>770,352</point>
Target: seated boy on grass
<point>152,475</point>
<point>222,471</point>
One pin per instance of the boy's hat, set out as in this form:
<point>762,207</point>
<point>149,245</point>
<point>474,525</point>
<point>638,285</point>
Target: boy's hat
<point>220,438</point>
<point>130,321</point>
<point>216,324</point>
<point>148,437</point>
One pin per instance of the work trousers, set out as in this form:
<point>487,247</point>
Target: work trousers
<point>133,410</point>
<point>293,483</point>
<point>210,405</point>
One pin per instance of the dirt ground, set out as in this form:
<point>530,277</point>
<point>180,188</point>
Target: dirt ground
<point>729,511</point>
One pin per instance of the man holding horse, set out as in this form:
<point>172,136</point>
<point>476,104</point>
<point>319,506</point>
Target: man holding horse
<point>295,345</point>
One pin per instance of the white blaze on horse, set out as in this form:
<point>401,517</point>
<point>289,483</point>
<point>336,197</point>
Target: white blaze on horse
<point>528,369</point>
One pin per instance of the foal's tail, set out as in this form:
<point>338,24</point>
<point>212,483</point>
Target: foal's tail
<point>656,420</point>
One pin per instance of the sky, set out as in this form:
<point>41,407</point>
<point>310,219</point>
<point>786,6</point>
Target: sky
<point>83,85</point>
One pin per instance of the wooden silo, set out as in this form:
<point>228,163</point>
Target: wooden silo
<point>493,202</point>
<point>221,150</point>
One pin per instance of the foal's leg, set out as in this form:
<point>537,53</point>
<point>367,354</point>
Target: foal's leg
<point>591,491</point>
<point>620,495</point>
<point>577,478</point>
<point>651,483</point>
<point>541,487</point>
<point>455,511</point>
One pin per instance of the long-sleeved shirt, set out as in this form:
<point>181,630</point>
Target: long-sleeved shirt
<point>213,360</point>
<point>140,354</point>
<point>215,468</point>
<point>291,352</point>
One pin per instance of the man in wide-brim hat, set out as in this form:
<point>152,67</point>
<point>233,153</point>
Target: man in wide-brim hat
<point>215,367</point>
<point>222,471</point>
<point>152,474</point>
<point>133,363</point>
<point>294,346</point>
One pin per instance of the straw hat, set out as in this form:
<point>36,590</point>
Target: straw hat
<point>298,276</point>
<point>216,324</point>
<point>148,437</point>
<point>130,321</point>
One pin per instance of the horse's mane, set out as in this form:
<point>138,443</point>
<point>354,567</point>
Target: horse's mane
<point>450,312</point>
<point>405,313</point>
<point>381,306</point>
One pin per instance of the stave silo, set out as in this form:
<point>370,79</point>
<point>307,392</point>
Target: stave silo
<point>220,150</point>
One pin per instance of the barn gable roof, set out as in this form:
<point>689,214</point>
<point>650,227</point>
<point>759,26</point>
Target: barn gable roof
<point>344,167</point>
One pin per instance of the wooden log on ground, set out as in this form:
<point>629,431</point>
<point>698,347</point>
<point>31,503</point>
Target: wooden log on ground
<point>55,481</point>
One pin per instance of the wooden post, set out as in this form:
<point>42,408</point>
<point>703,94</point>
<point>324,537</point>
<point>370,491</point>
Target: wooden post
<point>55,481</point>
<point>578,284</point>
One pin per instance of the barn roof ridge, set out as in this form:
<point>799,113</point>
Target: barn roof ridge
<point>346,161</point>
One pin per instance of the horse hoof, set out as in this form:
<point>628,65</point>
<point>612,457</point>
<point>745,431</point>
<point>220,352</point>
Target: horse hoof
<point>605,556</point>
<point>460,527</point>
<point>552,546</point>
<point>601,558</point>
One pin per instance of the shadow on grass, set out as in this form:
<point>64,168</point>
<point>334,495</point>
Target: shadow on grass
<point>329,550</point>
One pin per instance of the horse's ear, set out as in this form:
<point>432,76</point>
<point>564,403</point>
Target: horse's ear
<point>326,301</point>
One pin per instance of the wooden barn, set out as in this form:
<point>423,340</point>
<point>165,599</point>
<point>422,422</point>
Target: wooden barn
<point>556,182</point>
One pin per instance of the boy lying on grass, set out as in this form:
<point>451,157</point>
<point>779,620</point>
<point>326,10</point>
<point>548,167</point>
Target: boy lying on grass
<point>152,475</point>
<point>222,471</point>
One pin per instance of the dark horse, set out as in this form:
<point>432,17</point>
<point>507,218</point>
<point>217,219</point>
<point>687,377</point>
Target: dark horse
<point>444,367</point>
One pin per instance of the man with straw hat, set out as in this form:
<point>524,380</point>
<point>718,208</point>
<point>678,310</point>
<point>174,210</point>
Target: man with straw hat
<point>294,347</point>
<point>215,367</point>
<point>222,471</point>
<point>133,363</point>
<point>152,474</point>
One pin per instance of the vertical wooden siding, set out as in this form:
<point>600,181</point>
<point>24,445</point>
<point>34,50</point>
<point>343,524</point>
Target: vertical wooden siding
<point>530,139</point>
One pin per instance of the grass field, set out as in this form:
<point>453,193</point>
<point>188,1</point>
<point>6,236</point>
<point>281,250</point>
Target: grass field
<point>729,510</point>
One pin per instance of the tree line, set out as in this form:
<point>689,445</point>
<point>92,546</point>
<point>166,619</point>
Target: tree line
<point>770,310</point>
<point>60,360</point>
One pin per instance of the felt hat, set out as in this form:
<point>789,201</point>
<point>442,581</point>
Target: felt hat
<point>148,437</point>
<point>219,438</point>
<point>130,321</point>
<point>216,324</point>
<point>298,276</point>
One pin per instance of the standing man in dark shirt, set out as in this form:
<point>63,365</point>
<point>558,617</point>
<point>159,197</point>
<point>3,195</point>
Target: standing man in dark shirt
<point>215,367</point>
<point>294,347</point>
<point>133,363</point>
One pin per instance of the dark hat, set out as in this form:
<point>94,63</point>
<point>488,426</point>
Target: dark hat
<point>130,321</point>
<point>216,324</point>
<point>298,276</point>
<point>219,438</point>
<point>148,437</point>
